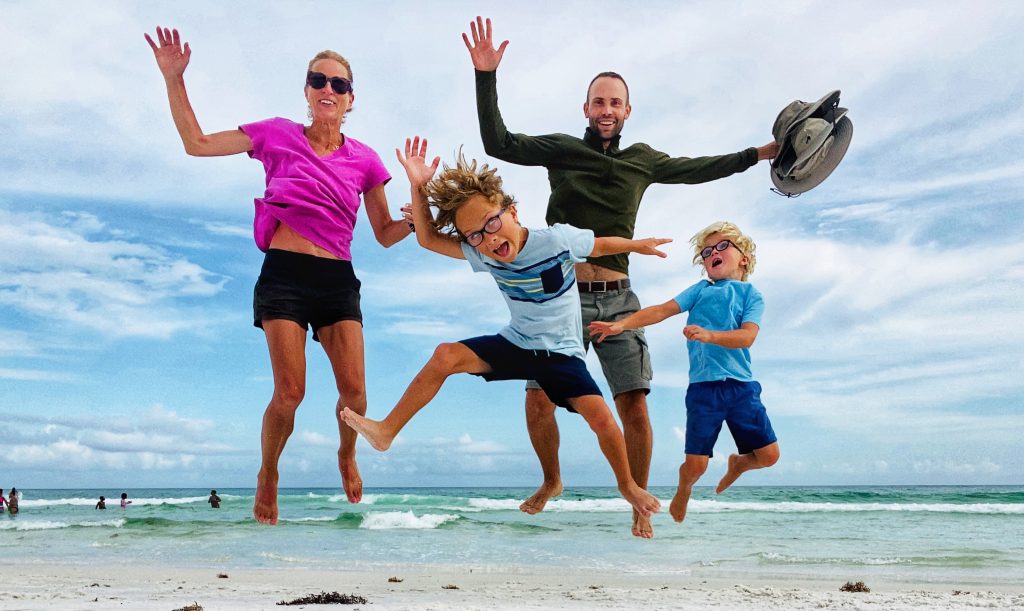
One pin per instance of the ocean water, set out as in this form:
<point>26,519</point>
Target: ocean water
<point>962,535</point>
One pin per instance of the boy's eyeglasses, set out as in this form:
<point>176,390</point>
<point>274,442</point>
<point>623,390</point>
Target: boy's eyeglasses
<point>492,225</point>
<point>319,80</point>
<point>722,245</point>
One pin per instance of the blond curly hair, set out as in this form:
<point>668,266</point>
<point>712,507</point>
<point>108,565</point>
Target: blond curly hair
<point>732,233</point>
<point>456,185</point>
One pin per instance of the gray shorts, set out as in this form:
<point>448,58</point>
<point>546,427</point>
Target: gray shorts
<point>624,358</point>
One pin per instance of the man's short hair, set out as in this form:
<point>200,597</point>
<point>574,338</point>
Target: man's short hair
<point>608,74</point>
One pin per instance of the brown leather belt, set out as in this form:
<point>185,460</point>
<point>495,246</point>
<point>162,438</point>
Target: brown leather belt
<point>603,286</point>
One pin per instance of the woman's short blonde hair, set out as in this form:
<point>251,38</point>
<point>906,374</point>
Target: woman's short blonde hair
<point>328,54</point>
<point>456,185</point>
<point>732,233</point>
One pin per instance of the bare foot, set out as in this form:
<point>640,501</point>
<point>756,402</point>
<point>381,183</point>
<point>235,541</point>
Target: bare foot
<point>265,507</point>
<point>350,478</point>
<point>679,502</point>
<point>642,526</point>
<point>370,429</point>
<point>733,472</point>
<point>642,501</point>
<point>535,504</point>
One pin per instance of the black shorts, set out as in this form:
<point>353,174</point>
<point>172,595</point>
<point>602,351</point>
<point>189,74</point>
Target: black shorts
<point>311,291</point>
<point>562,377</point>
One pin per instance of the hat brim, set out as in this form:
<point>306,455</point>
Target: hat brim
<point>843,135</point>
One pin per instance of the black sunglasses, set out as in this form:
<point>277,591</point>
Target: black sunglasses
<point>319,80</point>
<point>722,245</point>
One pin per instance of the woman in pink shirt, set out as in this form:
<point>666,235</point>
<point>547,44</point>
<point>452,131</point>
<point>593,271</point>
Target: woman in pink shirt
<point>304,222</point>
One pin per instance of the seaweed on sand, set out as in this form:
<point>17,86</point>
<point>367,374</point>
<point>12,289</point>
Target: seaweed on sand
<point>327,598</point>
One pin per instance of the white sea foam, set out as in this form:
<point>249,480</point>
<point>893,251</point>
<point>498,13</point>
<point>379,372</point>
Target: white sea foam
<point>716,506</point>
<point>782,558</point>
<point>404,519</point>
<point>56,525</point>
<point>713,506</point>
<point>561,505</point>
<point>309,519</point>
<point>112,502</point>
<point>282,558</point>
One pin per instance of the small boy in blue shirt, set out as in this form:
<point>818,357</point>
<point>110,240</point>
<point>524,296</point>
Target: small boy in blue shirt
<point>535,271</point>
<point>725,316</point>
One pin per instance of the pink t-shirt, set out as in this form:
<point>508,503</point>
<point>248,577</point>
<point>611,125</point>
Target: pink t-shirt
<point>316,196</point>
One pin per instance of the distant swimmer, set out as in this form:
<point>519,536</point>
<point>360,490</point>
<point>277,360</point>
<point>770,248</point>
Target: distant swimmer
<point>102,504</point>
<point>214,500</point>
<point>124,500</point>
<point>12,501</point>
<point>3,501</point>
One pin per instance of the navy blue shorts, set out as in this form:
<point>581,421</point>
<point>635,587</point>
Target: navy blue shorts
<point>736,403</point>
<point>311,291</point>
<point>562,377</point>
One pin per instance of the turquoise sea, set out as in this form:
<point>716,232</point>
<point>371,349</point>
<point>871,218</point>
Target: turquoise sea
<point>959,535</point>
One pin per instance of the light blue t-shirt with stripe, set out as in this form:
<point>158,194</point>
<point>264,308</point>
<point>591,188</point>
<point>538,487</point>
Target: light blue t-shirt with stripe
<point>720,306</point>
<point>539,287</point>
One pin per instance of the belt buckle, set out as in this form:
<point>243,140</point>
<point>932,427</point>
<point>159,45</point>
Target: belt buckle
<point>594,289</point>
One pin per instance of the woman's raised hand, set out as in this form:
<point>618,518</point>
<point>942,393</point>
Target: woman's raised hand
<point>415,161</point>
<point>171,57</point>
<point>485,57</point>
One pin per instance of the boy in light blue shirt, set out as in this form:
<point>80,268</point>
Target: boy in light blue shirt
<point>535,272</point>
<point>725,316</point>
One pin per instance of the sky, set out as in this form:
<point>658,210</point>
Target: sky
<point>890,351</point>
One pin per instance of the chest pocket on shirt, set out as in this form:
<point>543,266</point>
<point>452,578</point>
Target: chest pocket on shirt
<point>552,279</point>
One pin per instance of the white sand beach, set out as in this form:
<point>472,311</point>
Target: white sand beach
<point>106,586</point>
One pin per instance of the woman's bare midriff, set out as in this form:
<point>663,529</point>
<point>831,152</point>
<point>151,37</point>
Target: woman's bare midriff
<point>588,272</point>
<point>285,238</point>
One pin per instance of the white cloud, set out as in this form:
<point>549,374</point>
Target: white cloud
<point>72,273</point>
<point>314,438</point>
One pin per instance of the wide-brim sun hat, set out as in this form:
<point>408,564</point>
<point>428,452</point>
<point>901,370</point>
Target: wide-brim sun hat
<point>813,138</point>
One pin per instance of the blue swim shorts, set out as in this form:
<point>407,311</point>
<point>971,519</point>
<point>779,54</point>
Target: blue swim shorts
<point>736,403</point>
<point>562,377</point>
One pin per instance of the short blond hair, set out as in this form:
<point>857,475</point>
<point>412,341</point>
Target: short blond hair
<point>456,185</point>
<point>732,233</point>
<point>328,54</point>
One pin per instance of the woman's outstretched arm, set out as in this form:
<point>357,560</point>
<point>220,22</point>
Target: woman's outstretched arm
<point>172,59</point>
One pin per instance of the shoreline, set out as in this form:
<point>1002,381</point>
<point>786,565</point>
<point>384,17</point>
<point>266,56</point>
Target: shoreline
<point>134,586</point>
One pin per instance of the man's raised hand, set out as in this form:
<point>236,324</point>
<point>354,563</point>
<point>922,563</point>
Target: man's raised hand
<point>485,57</point>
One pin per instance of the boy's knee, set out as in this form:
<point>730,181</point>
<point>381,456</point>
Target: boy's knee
<point>446,356</point>
<point>694,466</point>
<point>768,455</point>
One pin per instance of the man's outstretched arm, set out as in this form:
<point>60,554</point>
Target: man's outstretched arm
<point>498,141</point>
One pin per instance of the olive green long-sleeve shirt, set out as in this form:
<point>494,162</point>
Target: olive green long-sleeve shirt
<point>593,188</point>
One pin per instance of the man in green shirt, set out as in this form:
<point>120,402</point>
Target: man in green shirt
<point>595,185</point>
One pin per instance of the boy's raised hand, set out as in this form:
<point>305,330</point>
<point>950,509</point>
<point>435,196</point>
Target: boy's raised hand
<point>415,161</point>
<point>649,246</point>
<point>600,329</point>
<point>485,57</point>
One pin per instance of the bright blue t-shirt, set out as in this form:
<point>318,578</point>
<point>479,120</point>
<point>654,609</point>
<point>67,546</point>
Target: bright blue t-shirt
<point>539,287</point>
<point>720,306</point>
